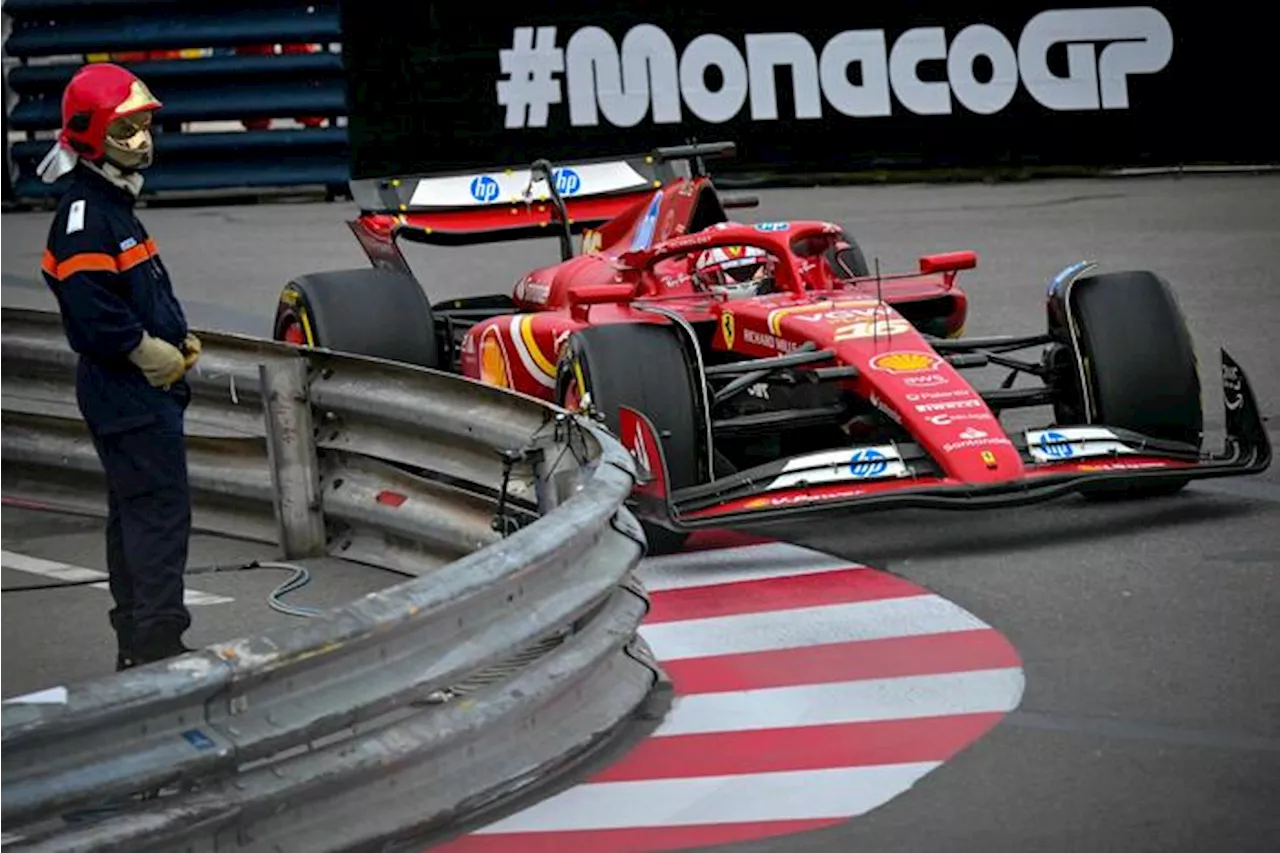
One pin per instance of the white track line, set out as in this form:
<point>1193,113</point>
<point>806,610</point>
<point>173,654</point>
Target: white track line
<point>732,565</point>
<point>794,795</point>
<point>670,581</point>
<point>66,573</point>
<point>48,696</point>
<point>872,700</point>
<point>807,626</point>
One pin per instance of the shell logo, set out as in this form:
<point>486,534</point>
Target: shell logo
<point>905,362</point>
<point>494,369</point>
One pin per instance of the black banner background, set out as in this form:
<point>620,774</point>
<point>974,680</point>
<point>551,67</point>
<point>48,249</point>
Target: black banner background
<point>422,94</point>
<point>5,178</point>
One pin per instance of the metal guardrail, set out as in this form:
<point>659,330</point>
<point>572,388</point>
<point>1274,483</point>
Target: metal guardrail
<point>318,738</point>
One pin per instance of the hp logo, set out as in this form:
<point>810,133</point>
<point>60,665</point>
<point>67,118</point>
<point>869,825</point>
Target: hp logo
<point>1058,451</point>
<point>567,181</point>
<point>867,463</point>
<point>484,189</point>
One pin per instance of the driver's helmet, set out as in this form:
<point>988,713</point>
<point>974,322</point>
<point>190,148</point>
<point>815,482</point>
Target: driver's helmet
<point>734,271</point>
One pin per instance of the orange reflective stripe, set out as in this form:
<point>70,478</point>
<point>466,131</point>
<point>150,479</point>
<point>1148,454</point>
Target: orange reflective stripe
<point>87,262</point>
<point>98,262</point>
<point>132,257</point>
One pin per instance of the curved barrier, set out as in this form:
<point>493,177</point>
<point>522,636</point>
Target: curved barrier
<point>322,737</point>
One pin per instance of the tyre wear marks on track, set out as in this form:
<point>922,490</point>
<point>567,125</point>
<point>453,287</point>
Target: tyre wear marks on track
<point>807,691</point>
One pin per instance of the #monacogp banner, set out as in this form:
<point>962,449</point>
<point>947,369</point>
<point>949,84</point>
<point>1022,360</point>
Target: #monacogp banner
<point>857,86</point>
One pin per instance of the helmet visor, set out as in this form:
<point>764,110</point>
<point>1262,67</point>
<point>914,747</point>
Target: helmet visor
<point>742,273</point>
<point>126,129</point>
<point>128,142</point>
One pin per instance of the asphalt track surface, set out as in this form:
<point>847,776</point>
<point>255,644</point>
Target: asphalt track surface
<point>1151,713</point>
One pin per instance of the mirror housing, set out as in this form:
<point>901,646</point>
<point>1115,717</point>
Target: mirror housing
<point>948,261</point>
<point>600,294</point>
<point>581,299</point>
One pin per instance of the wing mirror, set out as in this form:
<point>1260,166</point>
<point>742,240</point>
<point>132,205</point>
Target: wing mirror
<point>948,262</point>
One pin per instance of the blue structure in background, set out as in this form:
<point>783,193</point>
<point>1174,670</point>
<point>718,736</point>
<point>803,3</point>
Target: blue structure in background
<point>224,82</point>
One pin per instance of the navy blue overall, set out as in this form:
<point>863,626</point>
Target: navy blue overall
<point>110,284</point>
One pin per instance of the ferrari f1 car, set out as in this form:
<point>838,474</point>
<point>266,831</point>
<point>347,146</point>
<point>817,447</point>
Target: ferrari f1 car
<point>760,371</point>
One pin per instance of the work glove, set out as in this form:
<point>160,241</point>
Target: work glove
<point>160,361</point>
<point>191,348</point>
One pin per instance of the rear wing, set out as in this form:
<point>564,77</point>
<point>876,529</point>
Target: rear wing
<point>510,203</point>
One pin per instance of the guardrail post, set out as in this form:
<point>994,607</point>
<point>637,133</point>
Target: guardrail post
<point>553,484</point>
<point>291,451</point>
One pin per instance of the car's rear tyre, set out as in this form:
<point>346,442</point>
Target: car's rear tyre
<point>1140,366</point>
<point>642,366</point>
<point>373,312</point>
<point>852,257</point>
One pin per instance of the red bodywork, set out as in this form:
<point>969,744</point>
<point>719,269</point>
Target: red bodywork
<point>642,258</point>
<point>609,281</point>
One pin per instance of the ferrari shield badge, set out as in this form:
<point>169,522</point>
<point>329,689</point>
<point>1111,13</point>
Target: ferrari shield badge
<point>727,329</point>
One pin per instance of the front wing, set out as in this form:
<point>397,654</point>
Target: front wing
<point>1060,461</point>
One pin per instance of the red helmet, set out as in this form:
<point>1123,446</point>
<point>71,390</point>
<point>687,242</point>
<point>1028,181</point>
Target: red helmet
<point>106,113</point>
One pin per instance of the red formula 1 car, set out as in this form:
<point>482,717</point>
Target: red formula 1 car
<point>758,371</point>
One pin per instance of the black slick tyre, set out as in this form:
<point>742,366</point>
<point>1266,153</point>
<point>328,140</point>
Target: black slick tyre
<point>851,257</point>
<point>645,367</point>
<point>1139,363</point>
<point>371,312</point>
